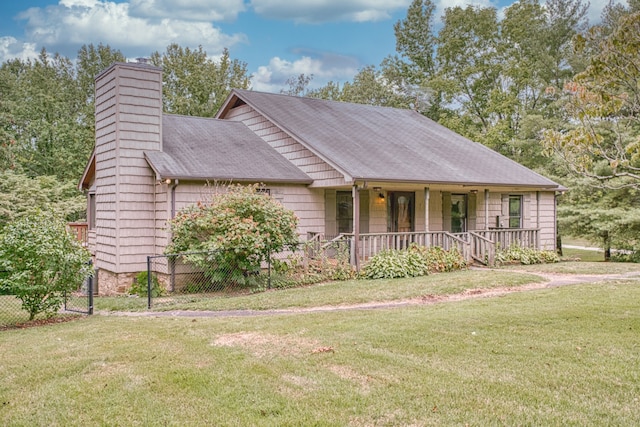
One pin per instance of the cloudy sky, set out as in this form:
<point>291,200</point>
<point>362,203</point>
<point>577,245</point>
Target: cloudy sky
<point>278,39</point>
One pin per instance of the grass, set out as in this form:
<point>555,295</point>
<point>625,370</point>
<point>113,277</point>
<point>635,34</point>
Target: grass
<point>332,293</point>
<point>579,267</point>
<point>559,356</point>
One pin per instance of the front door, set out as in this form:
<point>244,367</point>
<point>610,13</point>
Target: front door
<point>401,211</point>
<point>458,213</point>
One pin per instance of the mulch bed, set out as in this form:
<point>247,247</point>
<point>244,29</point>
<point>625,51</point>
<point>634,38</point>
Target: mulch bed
<point>44,322</point>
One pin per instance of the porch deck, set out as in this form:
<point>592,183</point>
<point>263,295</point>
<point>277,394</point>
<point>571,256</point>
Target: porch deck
<point>479,245</point>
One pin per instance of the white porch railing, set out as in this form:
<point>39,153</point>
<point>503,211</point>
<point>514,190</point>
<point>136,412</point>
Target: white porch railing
<point>480,245</point>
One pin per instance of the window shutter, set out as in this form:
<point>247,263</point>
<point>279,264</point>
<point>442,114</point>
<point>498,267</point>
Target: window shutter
<point>471,211</point>
<point>526,210</point>
<point>446,211</point>
<point>364,211</point>
<point>330,225</point>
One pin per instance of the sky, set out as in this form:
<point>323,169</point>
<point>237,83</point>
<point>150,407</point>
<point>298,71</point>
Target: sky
<point>278,39</point>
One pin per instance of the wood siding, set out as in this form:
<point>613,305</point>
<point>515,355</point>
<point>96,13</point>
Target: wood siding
<point>321,172</point>
<point>128,122</point>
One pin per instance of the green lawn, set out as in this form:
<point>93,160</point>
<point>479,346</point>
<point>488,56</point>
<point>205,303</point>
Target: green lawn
<point>560,356</point>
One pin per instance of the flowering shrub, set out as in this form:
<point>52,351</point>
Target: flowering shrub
<point>42,261</point>
<point>237,228</point>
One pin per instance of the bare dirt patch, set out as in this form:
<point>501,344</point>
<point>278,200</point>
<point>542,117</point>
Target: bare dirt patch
<point>267,345</point>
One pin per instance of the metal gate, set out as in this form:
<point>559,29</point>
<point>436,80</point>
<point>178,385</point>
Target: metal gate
<point>80,300</point>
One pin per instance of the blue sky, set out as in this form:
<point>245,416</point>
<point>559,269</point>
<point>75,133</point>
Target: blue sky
<point>278,39</point>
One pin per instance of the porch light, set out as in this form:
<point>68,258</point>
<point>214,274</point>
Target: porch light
<point>381,196</point>
<point>167,181</point>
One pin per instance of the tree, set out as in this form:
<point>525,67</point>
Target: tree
<point>297,85</point>
<point>238,228</point>
<point>41,261</point>
<point>604,104</point>
<point>196,85</point>
<point>21,196</point>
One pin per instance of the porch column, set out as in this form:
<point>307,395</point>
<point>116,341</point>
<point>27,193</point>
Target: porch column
<point>486,209</point>
<point>356,226</point>
<point>426,208</point>
<point>538,219</point>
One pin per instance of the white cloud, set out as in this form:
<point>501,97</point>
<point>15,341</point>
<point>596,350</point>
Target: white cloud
<point>317,11</point>
<point>11,48</point>
<point>77,22</point>
<point>323,68</point>
<point>199,10</point>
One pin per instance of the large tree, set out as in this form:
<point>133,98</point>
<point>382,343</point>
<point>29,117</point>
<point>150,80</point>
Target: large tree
<point>194,83</point>
<point>601,140</point>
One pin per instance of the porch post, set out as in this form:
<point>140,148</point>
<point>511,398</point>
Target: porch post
<point>538,219</point>
<point>486,209</point>
<point>426,208</point>
<point>356,226</point>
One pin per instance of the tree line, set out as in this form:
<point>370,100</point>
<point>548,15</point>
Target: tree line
<point>536,83</point>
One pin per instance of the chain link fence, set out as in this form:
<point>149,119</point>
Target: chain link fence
<point>78,301</point>
<point>226,273</point>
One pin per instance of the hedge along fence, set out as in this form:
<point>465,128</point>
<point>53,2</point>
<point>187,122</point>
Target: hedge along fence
<point>215,273</point>
<point>79,301</point>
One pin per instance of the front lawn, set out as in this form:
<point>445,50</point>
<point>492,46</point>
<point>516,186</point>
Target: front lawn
<point>560,356</point>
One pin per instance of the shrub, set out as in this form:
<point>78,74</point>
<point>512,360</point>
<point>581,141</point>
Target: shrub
<point>391,264</point>
<point>237,228</point>
<point>440,260</point>
<point>140,285</point>
<point>413,262</point>
<point>42,261</point>
<point>525,256</point>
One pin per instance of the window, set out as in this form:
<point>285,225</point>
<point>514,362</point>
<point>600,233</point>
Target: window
<point>515,211</point>
<point>344,211</point>
<point>92,211</point>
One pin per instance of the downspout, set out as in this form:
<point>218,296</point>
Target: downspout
<point>173,198</point>
<point>172,261</point>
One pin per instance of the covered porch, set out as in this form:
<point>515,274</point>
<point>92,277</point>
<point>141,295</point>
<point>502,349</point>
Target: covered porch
<point>477,221</point>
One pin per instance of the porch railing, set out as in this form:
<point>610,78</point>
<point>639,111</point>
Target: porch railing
<point>80,230</point>
<point>480,245</point>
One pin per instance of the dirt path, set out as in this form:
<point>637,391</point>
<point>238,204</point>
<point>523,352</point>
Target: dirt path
<point>551,280</point>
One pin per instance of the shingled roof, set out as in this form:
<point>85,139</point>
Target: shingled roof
<point>386,144</point>
<point>199,148</point>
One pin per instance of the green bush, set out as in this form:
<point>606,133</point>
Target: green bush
<point>391,264</point>
<point>140,285</point>
<point>525,256</point>
<point>42,261</point>
<point>237,229</point>
<point>632,256</point>
<point>439,260</point>
<point>412,262</point>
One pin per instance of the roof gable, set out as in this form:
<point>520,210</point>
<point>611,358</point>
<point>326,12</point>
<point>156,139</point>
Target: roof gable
<point>386,144</point>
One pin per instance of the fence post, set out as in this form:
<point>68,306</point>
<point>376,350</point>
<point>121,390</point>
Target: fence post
<point>269,268</point>
<point>148,282</point>
<point>90,291</point>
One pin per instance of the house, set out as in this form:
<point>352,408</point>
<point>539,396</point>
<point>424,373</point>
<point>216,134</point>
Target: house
<point>382,177</point>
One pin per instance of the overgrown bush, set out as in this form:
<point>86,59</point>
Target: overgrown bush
<point>440,260</point>
<point>391,264</point>
<point>631,256</point>
<point>140,286</point>
<point>525,256</point>
<point>42,261</point>
<point>412,262</point>
<point>238,228</point>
